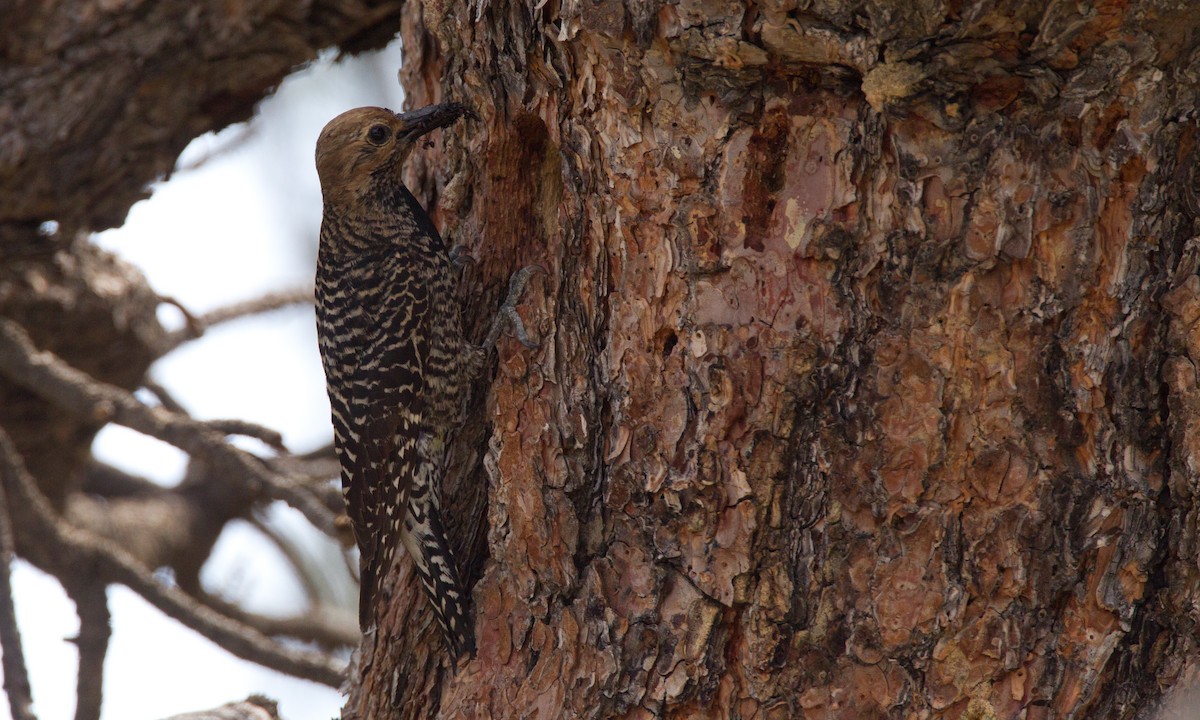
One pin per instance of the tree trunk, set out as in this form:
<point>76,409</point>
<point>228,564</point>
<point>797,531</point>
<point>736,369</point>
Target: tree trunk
<point>867,383</point>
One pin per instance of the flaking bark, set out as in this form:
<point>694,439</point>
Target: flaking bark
<point>867,386</point>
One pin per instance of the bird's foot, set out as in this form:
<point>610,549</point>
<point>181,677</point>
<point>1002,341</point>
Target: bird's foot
<point>460,257</point>
<point>463,263</point>
<point>508,311</point>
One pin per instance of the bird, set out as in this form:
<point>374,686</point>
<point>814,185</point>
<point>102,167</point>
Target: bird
<point>397,364</point>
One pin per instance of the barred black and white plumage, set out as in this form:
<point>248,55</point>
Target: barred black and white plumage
<point>396,363</point>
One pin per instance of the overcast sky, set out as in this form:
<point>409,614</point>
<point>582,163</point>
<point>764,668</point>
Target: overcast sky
<point>238,218</point>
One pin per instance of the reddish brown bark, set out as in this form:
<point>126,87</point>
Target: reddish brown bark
<point>866,387</point>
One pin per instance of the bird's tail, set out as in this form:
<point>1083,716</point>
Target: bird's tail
<point>425,540</point>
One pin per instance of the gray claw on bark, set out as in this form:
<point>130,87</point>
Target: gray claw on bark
<point>508,311</point>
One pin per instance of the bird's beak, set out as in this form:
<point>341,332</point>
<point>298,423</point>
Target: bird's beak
<point>432,117</point>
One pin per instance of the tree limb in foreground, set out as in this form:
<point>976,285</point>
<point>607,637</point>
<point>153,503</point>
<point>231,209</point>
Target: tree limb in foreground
<point>16,674</point>
<point>84,551</point>
<point>48,376</point>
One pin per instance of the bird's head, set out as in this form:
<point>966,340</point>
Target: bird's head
<point>360,151</point>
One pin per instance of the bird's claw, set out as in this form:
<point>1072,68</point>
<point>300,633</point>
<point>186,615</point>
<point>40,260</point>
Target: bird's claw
<point>460,257</point>
<point>518,327</point>
<point>508,311</point>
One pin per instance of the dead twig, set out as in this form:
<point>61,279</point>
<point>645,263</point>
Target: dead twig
<point>314,479</point>
<point>318,470</point>
<point>328,627</point>
<point>245,428</point>
<point>233,138</point>
<point>325,452</point>
<point>197,325</point>
<point>292,555</point>
<point>228,427</point>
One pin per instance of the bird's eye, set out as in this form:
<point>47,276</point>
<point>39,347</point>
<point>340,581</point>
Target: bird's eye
<point>378,134</point>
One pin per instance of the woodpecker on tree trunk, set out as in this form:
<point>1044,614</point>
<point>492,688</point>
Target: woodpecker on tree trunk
<point>397,366</point>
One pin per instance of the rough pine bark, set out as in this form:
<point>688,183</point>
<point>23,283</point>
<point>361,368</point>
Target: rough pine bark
<point>867,385</point>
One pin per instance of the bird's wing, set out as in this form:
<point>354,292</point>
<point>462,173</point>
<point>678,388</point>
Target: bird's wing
<point>377,499</point>
<point>382,453</point>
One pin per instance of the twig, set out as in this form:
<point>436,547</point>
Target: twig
<point>165,398</point>
<point>91,604</point>
<point>321,486</point>
<point>81,551</point>
<point>16,675</point>
<point>197,325</point>
<point>226,427</point>
<point>48,376</point>
<point>234,138</point>
<point>191,324</point>
<point>248,429</point>
<point>318,471</point>
<point>292,554</point>
<point>325,626</point>
<point>320,465</point>
<point>325,452</point>
<point>266,303</point>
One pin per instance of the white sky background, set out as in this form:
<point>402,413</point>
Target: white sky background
<point>238,218</point>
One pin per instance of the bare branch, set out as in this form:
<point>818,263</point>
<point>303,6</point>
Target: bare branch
<point>326,626</point>
<point>48,376</point>
<point>102,479</point>
<point>16,675</point>
<point>318,470</point>
<point>266,303</point>
<point>325,452</point>
<point>249,429</point>
<point>323,624</point>
<point>164,396</point>
<point>91,604</point>
<point>189,320</point>
<point>81,551</point>
<point>197,325</point>
<point>232,426</point>
<point>311,476</point>
<point>234,138</point>
<point>228,427</point>
<point>291,554</point>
